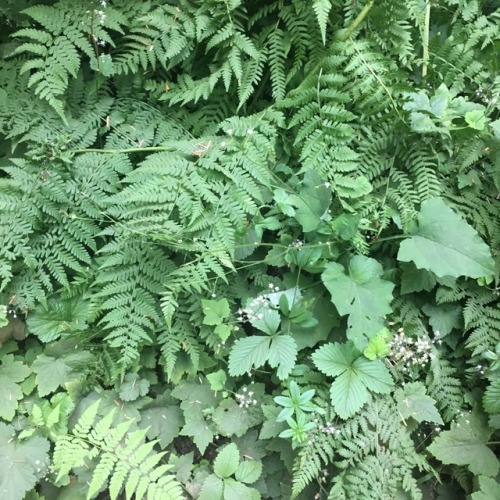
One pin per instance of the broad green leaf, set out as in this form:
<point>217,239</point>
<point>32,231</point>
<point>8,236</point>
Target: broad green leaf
<point>22,463</point>
<point>217,380</point>
<point>231,419</point>
<point>50,374</point>
<point>446,245</point>
<point>490,489</point>
<point>248,471</point>
<point>200,431</point>
<point>467,444</point>
<point>271,427</point>
<point>233,490</point>
<point>312,203</point>
<point>362,294</point>
<point>11,374</point>
<point>163,423</point>
<point>133,387</point>
<point>212,488</point>
<point>334,359</point>
<point>267,320</point>
<point>348,394</point>
<point>444,317</point>
<point>413,402</point>
<point>215,311</point>
<point>247,353</point>
<point>374,374</point>
<point>476,119</point>
<point>416,280</point>
<point>355,376</point>
<point>282,355</point>
<point>378,346</point>
<point>227,461</point>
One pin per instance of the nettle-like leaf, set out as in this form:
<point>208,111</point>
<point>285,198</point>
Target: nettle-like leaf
<point>355,376</point>
<point>22,463</point>
<point>413,402</point>
<point>361,293</point>
<point>12,373</point>
<point>227,461</point>
<point>253,352</point>
<point>215,311</point>
<point>466,443</point>
<point>446,245</point>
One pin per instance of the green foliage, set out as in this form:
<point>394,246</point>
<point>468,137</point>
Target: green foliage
<point>263,234</point>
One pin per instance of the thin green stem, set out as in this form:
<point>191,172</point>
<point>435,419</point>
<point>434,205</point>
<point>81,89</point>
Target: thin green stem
<point>358,20</point>
<point>425,38</point>
<point>126,150</point>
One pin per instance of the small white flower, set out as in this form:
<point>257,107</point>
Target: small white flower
<point>250,131</point>
<point>327,185</point>
<point>229,131</point>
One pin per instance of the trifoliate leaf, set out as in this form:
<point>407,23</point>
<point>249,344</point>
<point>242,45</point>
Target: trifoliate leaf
<point>446,245</point>
<point>247,353</point>
<point>444,317</point>
<point>212,488</point>
<point>282,354</point>
<point>11,374</point>
<point>362,294</point>
<point>267,320</point>
<point>413,402</point>
<point>22,463</point>
<point>467,444</point>
<point>215,311</point>
<point>355,376</point>
<point>248,471</point>
<point>227,461</point>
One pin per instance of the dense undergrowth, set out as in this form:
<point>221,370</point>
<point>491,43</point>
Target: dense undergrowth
<point>249,249</point>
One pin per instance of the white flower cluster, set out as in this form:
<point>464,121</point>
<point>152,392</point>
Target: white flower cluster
<point>296,244</point>
<point>273,288</point>
<point>486,99</point>
<point>253,310</point>
<point>329,428</point>
<point>10,310</point>
<point>410,352</point>
<point>245,398</point>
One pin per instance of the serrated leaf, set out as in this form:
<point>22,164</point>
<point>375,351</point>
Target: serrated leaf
<point>312,203</point>
<point>227,461</point>
<point>267,320</point>
<point>231,419</point>
<point>378,346</point>
<point>215,311</point>
<point>466,444</point>
<point>247,353</point>
<point>475,119</point>
<point>413,402</point>
<point>490,489</point>
<point>133,387</point>
<point>234,490</point>
<point>360,293</point>
<point>11,374</point>
<point>444,317</point>
<point>491,397</point>
<point>322,9</point>
<point>348,394</point>
<point>282,354</point>
<point>248,471</point>
<point>416,280</point>
<point>22,463</point>
<point>217,380</point>
<point>200,431</point>
<point>446,245</point>
<point>163,423</point>
<point>50,374</point>
<point>355,376</point>
<point>212,488</point>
